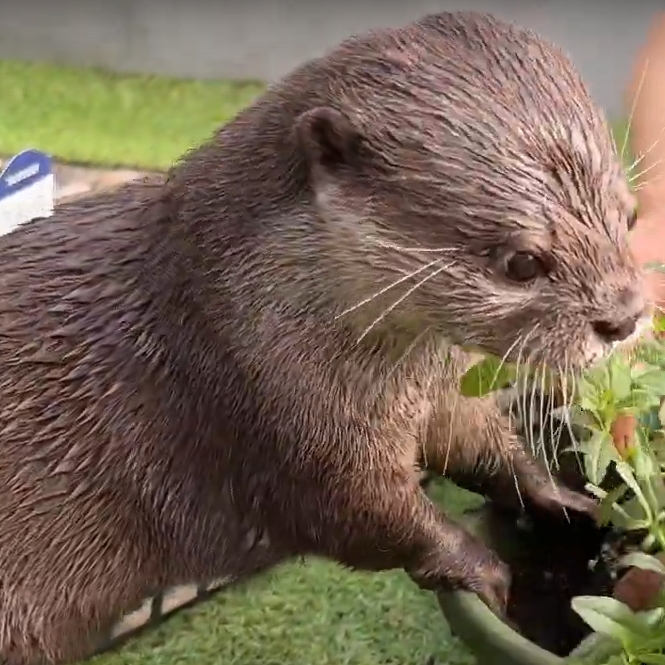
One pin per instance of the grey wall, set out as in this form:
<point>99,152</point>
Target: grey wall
<point>266,38</point>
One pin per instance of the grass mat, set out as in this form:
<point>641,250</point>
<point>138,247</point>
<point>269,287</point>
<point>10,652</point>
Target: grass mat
<point>313,613</point>
<point>87,115</point>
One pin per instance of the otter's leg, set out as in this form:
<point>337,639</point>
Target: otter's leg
<point>469,441</point>
<point>383,520</point>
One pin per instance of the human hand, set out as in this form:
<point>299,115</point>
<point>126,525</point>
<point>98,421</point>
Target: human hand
<point>647,241</point>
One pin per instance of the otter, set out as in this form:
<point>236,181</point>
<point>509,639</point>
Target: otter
<point>247,361</point>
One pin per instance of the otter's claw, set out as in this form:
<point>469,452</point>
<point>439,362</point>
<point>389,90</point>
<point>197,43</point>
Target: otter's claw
<point>470,567</point>
<point>492,586</point>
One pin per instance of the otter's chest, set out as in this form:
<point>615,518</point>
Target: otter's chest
<point>415,395</point>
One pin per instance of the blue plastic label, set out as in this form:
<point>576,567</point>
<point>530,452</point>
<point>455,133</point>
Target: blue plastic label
<point>23,170</point>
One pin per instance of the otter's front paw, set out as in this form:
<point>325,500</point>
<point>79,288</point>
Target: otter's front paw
<point>468,566</point>
<point>561,502</point>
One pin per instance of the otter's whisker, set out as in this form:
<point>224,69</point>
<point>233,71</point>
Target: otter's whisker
<point>541,421</point>
<point>520,498</point>
<point>652,147</point>
<point>396,233</point>
<point>400,300</point>
<point>532,403</point>
<point>511,406</point>
<point>568,422</point>
<point>556,440</point>
<point>522,391</point>
<point>412,250</point>
<point>643,172</point>
<point>554,461</point>
<point>515,394</point>
<point>530,399</point>
<point>649,183</point>
<point>633,107</point>
<point>518,391</point>
<point>504,358</point>
<point>543,447</point>
<point>553,440</point>
<point>657,307</point>
<point>387,288</point>
<point>419,337</point>
<point>522,406</point>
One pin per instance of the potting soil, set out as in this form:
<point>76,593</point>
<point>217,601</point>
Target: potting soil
<point>553,564</point>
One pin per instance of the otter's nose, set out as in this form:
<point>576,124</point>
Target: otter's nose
<point>631,308</point>
<point>615,331</point>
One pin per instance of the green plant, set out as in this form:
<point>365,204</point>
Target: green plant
<point>621,386</point>
<point>640,636</point>
<point>614,389</point>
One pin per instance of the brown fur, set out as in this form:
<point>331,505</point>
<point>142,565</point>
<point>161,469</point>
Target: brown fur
<point>181,397</point>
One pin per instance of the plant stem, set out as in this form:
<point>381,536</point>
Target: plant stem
<point>660,537</point>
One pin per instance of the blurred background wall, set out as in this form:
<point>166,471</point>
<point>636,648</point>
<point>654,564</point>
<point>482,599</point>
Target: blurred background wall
<point>265,38</point>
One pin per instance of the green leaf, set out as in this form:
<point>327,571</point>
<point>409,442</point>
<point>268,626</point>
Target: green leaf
<point>598,492</point>
<point>653,618</point>
<point>652,640</point>
<point>643,462</point>
<point>489,374</point>
<point>599,452</point>
<point>638,401</point>
<point>656,266</point>
<point>628,477</point>
<point>653,382</point>
<point>643,561</point>
<point>659,323</point>
<point>650,351</point>
<point>610,511</point>
<point>590,390</point>
<point>649,420</point>
<point>655,484</point>
<point>658,446</point>
<point>620,378</point>
<point>636,514</point>
<point>596,649</point>
<point>661,413</point>
<point>641,367</point>
<point>579,417</point>
<point>607,616</point>
<point>599,376</point>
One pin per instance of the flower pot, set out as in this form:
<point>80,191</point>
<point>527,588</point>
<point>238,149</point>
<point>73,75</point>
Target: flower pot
<point>492,641</point>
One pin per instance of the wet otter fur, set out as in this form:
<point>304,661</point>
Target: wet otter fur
<point>190,387</point>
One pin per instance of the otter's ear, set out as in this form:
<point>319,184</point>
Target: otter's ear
<point>328,139</point>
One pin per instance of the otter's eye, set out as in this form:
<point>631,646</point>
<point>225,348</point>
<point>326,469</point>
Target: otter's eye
<point>632,219</point>
<point>523,267</point>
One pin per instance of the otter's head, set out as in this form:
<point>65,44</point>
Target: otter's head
<point>466,156</point>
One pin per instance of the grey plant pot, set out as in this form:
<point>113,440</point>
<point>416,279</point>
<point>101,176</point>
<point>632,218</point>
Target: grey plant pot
<point>491,640</point>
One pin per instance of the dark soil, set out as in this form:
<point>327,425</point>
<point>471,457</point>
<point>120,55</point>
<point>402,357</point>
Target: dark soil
<point>551,564</point>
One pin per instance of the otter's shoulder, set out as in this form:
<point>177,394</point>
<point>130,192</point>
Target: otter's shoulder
<point>71,263</point>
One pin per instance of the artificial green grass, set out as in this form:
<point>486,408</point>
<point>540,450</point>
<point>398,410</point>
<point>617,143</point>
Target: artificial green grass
<point>312,613</point>
<point>91,116</point>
